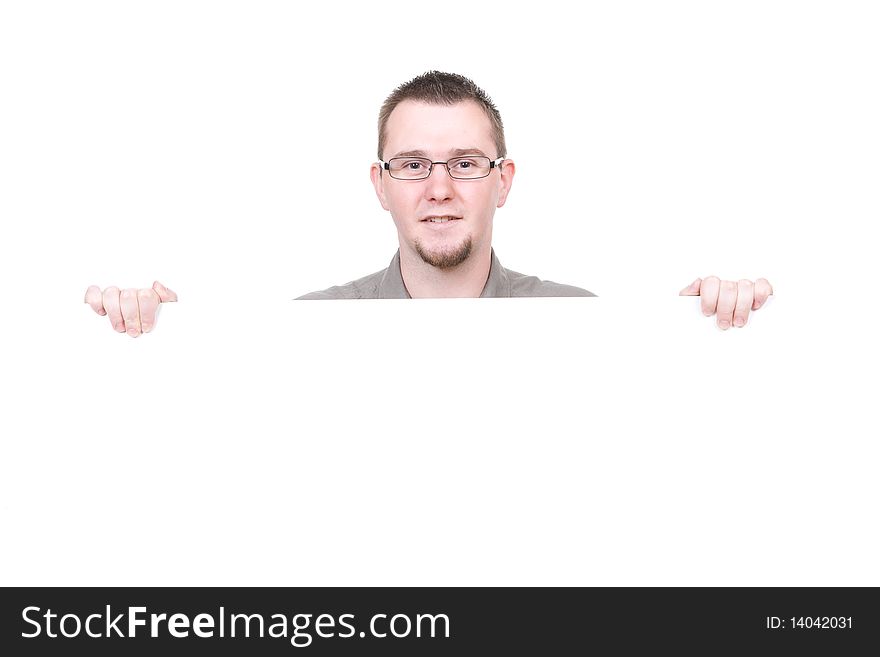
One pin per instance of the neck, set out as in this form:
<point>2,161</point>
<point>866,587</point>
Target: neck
<point>424,281</point>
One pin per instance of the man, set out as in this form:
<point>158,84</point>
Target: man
<point>442,172</point>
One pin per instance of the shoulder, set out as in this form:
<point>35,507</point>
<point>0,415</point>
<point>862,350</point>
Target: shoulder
<point>362,288</point>
<point>522,285</point>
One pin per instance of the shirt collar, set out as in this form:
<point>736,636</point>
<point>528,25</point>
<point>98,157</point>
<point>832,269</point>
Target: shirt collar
<point>391,285</point>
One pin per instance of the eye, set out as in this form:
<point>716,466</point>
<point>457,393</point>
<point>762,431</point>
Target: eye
<point>412,165</point>
<point>466,163</point>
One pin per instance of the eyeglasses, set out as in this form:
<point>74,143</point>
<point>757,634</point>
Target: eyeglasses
<point>470,167</point>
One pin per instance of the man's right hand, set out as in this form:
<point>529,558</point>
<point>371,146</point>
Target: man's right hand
<point>131,311</point>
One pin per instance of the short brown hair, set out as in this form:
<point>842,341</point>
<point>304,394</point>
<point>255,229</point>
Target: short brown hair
<point>438,88</point>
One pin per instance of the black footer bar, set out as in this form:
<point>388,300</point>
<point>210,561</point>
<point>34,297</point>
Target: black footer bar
<point>437,621</point>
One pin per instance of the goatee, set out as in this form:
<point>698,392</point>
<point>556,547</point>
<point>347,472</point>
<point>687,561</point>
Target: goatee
<point>446,259</point>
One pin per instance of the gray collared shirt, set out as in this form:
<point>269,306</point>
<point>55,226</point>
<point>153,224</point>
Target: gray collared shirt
<point>388,284</point>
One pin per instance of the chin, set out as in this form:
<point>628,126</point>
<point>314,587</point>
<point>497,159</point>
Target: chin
<point>445,257</point>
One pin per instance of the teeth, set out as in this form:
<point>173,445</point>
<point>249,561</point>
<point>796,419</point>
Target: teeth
<point>440,220</point>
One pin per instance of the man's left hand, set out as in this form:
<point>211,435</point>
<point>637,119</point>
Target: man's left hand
<point>731,301</point>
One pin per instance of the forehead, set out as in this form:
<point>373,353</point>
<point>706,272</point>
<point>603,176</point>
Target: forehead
<point>438,129</point>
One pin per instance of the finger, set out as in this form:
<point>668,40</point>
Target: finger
<point>726,304</point>
<point>745,294</point>
<point>709,295</point>
<point>691,290</point>
<point>763,289</point>
<point>128,305</point>
<point>164,293</point>
<point>148,303</point>
<point>93,298</point>
<point>110,299</point>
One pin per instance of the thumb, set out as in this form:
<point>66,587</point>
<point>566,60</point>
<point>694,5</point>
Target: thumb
<point>692,290</point>
<point>94,299</point>
<point>164,293</point>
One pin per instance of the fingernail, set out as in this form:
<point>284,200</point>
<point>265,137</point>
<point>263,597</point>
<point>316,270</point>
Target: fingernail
<point>738,322</point>
<point>724,324</point>
<point>133,332</point>
<point>119,328</point>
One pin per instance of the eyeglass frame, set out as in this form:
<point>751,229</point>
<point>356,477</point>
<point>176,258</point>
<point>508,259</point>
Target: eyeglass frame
<point>493,164</point>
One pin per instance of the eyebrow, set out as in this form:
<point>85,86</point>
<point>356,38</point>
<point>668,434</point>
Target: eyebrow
<point>456,152</point>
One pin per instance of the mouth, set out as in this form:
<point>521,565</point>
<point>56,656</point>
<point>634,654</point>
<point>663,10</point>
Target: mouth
<point>440,220</point>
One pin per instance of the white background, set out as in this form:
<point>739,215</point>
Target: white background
<point>224,147</point>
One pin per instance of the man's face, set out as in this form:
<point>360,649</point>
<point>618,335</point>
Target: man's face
<point>441,132</point>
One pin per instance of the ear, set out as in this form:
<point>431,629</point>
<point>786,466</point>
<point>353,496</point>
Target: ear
<point>378,183</point>
<point>508,169</point>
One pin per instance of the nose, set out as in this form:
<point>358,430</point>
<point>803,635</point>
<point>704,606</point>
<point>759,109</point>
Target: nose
<point>439,186</point>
